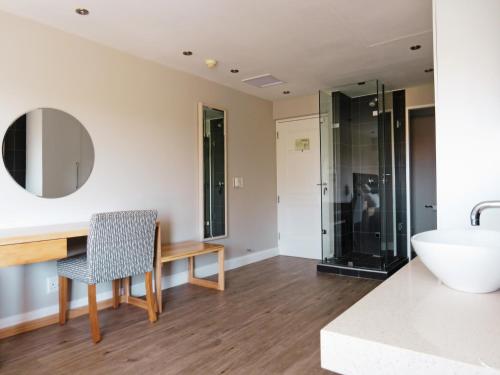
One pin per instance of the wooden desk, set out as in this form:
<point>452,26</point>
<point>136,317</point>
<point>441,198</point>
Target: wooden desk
<point>38,244</point>
<point>189,250</point>
<point>20,246</point>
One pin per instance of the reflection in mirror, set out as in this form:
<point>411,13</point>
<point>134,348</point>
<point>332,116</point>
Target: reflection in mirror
<point>48,152</point>
<point>213,175</point>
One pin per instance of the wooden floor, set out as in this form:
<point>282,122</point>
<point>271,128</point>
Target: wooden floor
<point>266,322</point>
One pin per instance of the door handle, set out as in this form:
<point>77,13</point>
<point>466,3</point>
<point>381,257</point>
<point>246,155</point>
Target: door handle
<point>433,206</point>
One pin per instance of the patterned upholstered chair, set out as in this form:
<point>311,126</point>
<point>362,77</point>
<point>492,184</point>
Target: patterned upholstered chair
<point>119,245</point>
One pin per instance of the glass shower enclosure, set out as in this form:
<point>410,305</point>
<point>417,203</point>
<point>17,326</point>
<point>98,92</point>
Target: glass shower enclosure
<point>357,184</point>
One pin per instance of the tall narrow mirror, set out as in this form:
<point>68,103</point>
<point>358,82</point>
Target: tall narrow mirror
<point>212,145</point>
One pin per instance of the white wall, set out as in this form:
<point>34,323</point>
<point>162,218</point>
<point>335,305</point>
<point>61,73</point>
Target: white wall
<point>419,95</point>
<point>467,76</point>
<point>142,118</point>
<point>296,106</point>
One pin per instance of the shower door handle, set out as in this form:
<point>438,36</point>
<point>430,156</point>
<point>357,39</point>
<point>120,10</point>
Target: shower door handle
<point>325,188</point>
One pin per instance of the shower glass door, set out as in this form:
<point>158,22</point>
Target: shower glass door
<point>356,177</point>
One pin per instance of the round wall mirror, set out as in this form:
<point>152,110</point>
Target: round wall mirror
<point>48,152</point>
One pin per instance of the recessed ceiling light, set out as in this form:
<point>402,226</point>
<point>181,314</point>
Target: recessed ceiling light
<point>286,92</point>
<point>415,47</point>
<point>187,53</point>
<point>234,71</point>
<point>82,11</point>
<point>429,70</point>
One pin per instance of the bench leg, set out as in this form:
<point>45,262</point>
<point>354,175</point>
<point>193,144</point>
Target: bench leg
<point>126,289</point>
<point>221,280</point>
<point>219,284</point>
<point>191,269</point>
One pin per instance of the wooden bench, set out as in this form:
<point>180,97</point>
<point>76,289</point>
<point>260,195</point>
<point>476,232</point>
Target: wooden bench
<point>189,250</point>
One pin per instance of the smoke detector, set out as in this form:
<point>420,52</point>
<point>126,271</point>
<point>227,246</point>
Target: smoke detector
<point>211,63</point>
<point>264,80</point>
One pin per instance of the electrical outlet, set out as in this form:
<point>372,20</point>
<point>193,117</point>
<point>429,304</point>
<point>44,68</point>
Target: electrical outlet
<point>52,284</point>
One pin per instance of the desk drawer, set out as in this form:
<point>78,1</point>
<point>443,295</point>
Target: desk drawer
<point>32,252</point>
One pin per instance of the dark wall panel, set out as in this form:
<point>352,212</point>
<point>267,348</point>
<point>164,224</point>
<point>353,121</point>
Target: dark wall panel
<point>399,110</point>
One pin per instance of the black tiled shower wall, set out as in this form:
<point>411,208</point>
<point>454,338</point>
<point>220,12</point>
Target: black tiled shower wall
<point>343,148</point>
<point>365,146</point>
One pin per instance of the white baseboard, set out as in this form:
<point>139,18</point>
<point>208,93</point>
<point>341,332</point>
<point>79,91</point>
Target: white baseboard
<point>170,281</point>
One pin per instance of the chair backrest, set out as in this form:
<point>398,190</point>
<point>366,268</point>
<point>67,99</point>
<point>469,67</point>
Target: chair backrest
<point>120,244</point>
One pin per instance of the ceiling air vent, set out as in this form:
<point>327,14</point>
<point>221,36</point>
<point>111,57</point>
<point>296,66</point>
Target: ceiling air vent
<point>265,80</point>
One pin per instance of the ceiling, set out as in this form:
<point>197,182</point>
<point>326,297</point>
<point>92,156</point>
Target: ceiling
<point>310,44</point>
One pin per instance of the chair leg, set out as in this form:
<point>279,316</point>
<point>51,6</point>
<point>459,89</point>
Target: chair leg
<point>63,299</point>
<point>94,321</point>
<point>150,297</point>
<point>116,294</point>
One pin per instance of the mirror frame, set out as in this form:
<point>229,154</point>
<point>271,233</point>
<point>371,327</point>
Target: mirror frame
<point>201,200</point>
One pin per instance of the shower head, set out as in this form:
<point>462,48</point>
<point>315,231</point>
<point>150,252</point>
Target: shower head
<point>372,103</point>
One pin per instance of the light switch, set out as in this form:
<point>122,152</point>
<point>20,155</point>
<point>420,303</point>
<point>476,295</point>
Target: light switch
<point>238,183</point>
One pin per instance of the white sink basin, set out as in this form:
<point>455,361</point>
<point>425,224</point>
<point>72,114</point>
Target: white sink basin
<point>465,260</point>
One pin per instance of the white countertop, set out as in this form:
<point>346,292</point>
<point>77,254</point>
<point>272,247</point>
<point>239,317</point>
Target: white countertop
<point>412,324</point>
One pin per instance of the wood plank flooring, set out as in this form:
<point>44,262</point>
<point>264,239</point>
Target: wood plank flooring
<point>266,322</point>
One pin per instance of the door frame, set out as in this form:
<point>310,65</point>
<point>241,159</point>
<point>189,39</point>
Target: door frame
<point>408,171</point>
<point>291,120</point>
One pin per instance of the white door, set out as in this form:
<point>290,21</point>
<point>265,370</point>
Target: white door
<point>298,178</point>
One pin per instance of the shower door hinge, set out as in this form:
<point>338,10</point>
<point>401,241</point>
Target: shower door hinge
<point>323,231</point>
<point>278,198</point>
<point>277,135</point>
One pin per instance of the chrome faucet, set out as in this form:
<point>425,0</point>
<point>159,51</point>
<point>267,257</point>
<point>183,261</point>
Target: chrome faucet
<point>475,214</point>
